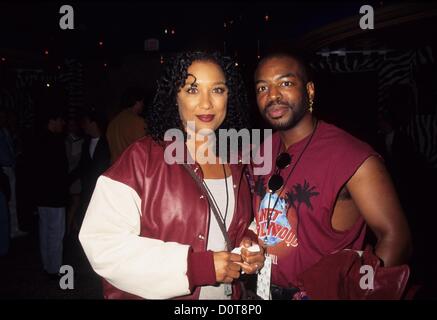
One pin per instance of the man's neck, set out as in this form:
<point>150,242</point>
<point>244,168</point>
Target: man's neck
<point>131,110</point>
<point>95,133</point>
<point>300,131</point>
<point>135,109</point>
<point>51,129</point>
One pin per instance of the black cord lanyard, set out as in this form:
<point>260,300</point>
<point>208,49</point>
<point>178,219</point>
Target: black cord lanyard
<point>215,202</point>
<point>270,212</point>
<point>201,184</point>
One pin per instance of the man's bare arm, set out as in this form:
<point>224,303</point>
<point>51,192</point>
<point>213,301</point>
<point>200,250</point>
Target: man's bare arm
<point>373,192</point>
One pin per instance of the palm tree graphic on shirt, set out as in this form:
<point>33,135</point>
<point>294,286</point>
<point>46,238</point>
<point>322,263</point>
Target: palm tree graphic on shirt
<point>299,194</point>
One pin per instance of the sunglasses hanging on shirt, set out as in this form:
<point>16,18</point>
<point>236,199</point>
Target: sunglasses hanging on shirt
<point>276,182</point>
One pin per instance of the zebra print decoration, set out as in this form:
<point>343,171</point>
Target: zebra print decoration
<point>394,68</point>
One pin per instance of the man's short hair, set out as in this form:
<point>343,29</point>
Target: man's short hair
<point>132,95</point>
<point>298,55</point>
<point>95,116</point>
<point>53,113</point>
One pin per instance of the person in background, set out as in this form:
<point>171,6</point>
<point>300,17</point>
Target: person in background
<point>95,158</point>
<point>127,126</point>
<point>7,163</point>
<point>51,189</point>
<point>73,145</point>
<point>4,213</point>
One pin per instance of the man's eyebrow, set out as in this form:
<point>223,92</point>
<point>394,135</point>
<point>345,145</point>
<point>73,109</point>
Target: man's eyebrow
<point>288,75</point>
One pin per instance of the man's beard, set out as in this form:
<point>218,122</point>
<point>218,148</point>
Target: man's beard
<point>297,110</point>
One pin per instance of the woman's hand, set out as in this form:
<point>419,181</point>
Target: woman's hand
<point>227,266</point>
<point>252,261</point>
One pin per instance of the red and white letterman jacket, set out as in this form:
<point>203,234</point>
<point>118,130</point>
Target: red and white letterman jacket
<point>146,228</point>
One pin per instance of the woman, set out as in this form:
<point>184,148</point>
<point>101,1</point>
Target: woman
<point>150,230</point>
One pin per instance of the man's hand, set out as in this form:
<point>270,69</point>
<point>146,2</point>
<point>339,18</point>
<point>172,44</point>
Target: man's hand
<point>253,261</point>
<point>227,267</point>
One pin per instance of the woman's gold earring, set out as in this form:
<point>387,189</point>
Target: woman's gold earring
<point>311,106</point>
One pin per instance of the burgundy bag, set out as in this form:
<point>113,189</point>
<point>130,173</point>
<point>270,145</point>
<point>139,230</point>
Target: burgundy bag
<point>338,276</point>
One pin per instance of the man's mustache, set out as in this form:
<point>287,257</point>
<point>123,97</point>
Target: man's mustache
<point>273,104</point>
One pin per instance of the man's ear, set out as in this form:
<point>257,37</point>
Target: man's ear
<point>310,90</point>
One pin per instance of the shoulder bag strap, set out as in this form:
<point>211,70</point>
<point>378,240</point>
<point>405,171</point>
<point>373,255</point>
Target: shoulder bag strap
<point>201,185</point>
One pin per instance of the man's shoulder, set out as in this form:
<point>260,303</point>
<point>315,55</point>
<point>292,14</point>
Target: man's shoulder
<point>337,139</point>
<point>329,137</point>
<point>122,115</point>
<point>342,151</point>
<point>112,124</point>
<point>144,145</point>
<point>135,159</point>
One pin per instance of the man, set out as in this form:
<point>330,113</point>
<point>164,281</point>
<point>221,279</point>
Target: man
<point>4,213</point>
<point>128,125</point>
<point>7,163</point>
<point>51,189</point>
<point>73,146</point>
<point>94,160</point>
<point>325,185</point>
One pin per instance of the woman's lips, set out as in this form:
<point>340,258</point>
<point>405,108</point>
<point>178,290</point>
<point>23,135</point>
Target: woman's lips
<point>206,117</point>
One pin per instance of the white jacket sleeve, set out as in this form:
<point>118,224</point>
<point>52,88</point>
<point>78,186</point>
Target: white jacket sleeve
<point>146,267</point>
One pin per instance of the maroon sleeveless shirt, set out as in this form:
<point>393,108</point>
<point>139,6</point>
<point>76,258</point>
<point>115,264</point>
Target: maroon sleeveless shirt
<point>300,230</point>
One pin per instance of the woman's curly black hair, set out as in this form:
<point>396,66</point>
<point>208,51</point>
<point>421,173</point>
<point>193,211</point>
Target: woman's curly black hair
<point>163,114</point>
